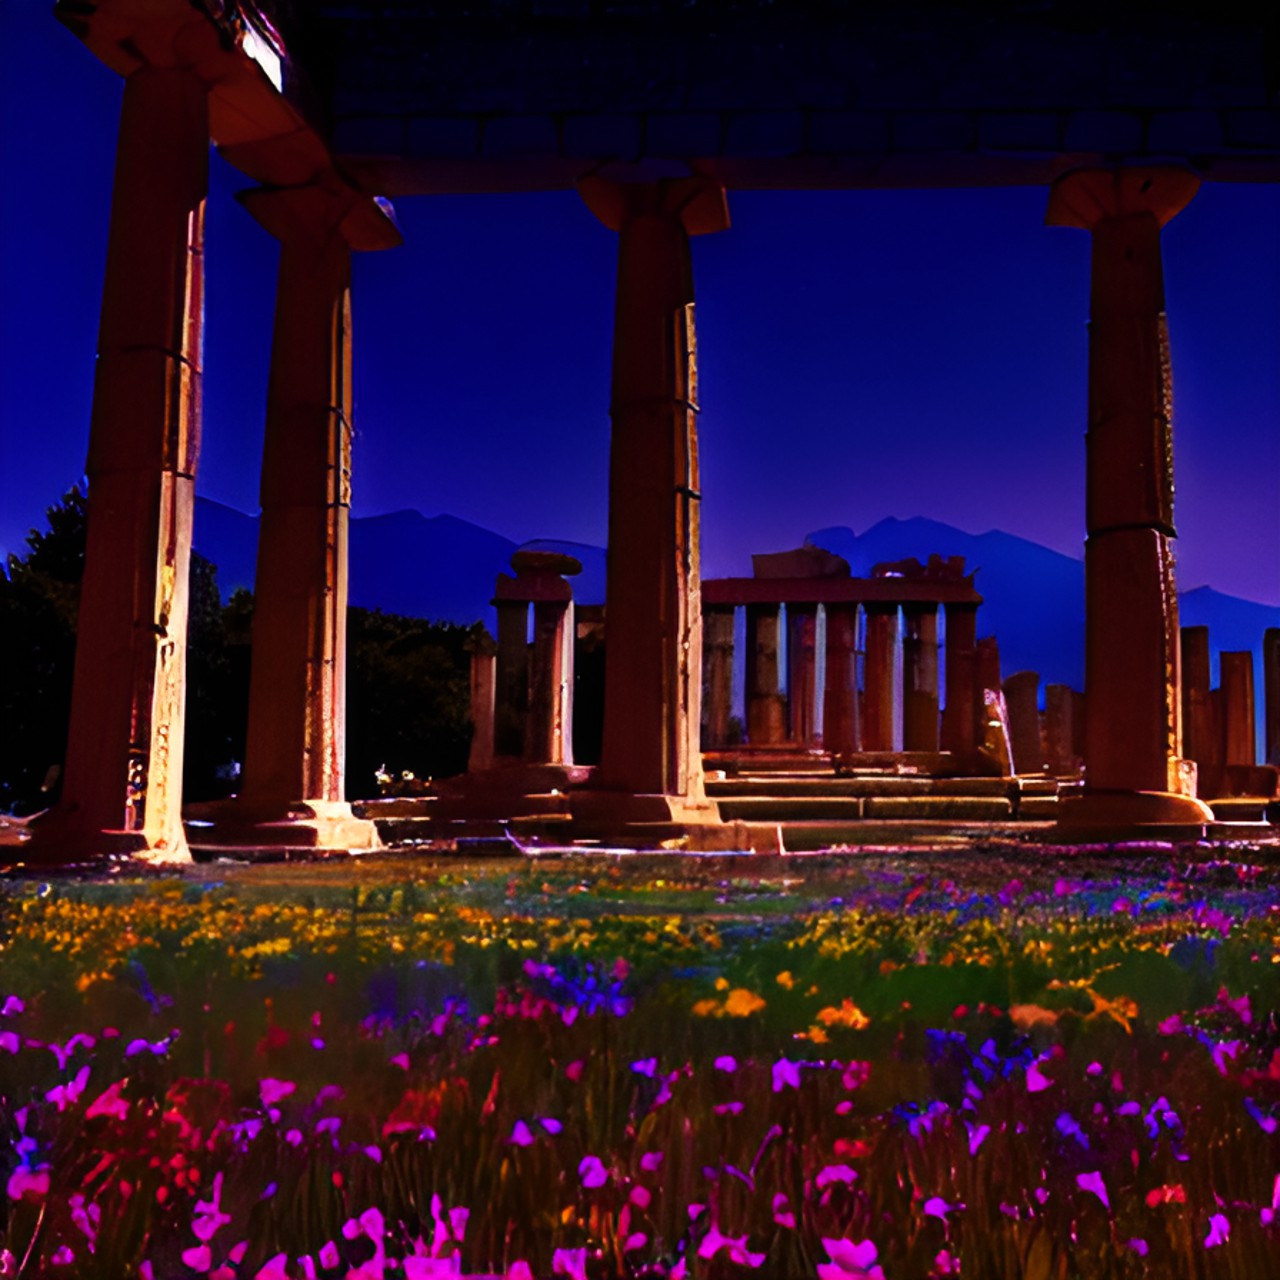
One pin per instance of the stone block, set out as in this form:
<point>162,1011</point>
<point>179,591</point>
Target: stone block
<point>848,132</point>
<point>369,136</point>
<point>611,137</point>
<point>451,137</point>
<point>1108,132</point>
<point>508,136</point>
<point>1019,131</point>
<point>1252,130</point>
<point>683,134</point>
<point>765,133</point>
<point>1184,132</point>
<point>932,131</point>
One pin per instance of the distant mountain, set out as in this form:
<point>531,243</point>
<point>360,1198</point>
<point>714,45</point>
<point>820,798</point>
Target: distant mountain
<point>440,567</point>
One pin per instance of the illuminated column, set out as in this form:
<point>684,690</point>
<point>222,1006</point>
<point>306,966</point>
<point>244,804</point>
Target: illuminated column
<point>802,671</point>
<point>653,623</point>
<point>1271,693</point>
<point>717,642</point>
<point>511,698</point>
<point>484,666</point>
<point>920,726</point>
<point>123,780</point>
<point>960,663</point>
<point>882,635</point>
<point>1134,771</point>
<point>766,706</point>
<point>1199,740</point>
<point>549,737</point>
<point>1026,739</point>
<point>840,697</point>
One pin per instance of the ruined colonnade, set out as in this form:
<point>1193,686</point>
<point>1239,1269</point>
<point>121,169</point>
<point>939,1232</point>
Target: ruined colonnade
<point>186,85</point>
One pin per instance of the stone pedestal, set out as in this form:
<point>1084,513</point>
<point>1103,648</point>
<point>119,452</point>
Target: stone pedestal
<point>920,726</point>
<point>802,672</point>
<point>840,727</point>
<point>1022,701</point>
<point>123,776</point>
<point>717,647</point>
<point>1133,742</point>
<point>964,702</point>
<point>766,705</point>
<point>653,673</point>
<point>881,678</point>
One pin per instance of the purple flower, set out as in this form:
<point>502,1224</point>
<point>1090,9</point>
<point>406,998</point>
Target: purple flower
<point>273,1090</point>
<point>850,1260</point>
<point>835,1173</point>
<point>645,1067</point>
<point>1093,1182</point>
<point>785,1072</point>
<point>937,1207</point>
<point>521,1135</point>
<point>726,1063</point>
<point>1219,1231</point>
<point>570,1262</point>
<point>1036,1079</point>
<point>592,1172</point>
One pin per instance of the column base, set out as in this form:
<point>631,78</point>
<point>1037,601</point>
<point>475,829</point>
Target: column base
<point>58,838</point>
<point>1120,815</point>
<point>315,827</point>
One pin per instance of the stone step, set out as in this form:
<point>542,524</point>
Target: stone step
<point>773,808</point>
<point>940,808</point>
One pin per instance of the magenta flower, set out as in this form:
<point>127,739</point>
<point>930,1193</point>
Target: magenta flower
<point>850,1260</point>
<point>650,1161</point>
<point>276,1268</point>
<point>645,1067</point>
<point>977,1136</point>
<point>714,1241</point>
<point>1139,1246</point>
<point>592,1172</point>
<point>570,1262</point>
<point>835,1173</point>
<point>198,1258</point>
<point>785,1072</point>
<point>329,1255</point>
<point>29,1182</point>
<point>109,1103</point>
<point>9,1041</point>
<point>521,1135</point>
<point>937,1207</point>
<point>726,1063</point>
<point>1092,1182</point>
<point>1219,1231</point>
<point>273,1090</point>
<point>67,1095</point>
<point>12,1007</point>
<point>519,1270</point>
<point>1036,1079</point>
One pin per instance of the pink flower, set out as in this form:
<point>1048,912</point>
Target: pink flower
<point>714,1241</point>
<point>850,1260</point>
<point>276,1268</point>
<point>785,1072</point>
<point>29,1182</point>
<point>67,1095</point>
<point>1219,1231</point>
<point>650,1161</point>
<point>198,1258</point>
<point>400,1060</point>
<point>12,1007</point>
<point>1093,1182</point>
<point>519,1270</point>
<point>835,1173</point>
<point>1036,1079</point>
<point>9,1041</point>
<point>521,1135</point>
<point>109,1103</point>
<point>977,1136</point>
<point>273,1090</point>
<point>726,1063</point>
<point>937,1207</point>
<point>432,1268</point>
<point>592,1172</point>
<point>570,1262</point>
<point>328,1255</point>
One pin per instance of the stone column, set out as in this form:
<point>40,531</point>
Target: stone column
<point>511,697</point>
<point>882,634</point>
<point>717,644</point>
<point>1021,699</point>
<point>766,706</point>
<point>484,668</point>
<point>1198,737</point>
<point>1271,692</point>
<point>1134,771</point>
<point>549,735</point>
<point>1060,730</point>
<point>653,621</point>
<point>920,727</point>
<point>1239,740</point>
<point>123,777</point>
<point>802,671</point>
<point>964,702</point>
<point>840,699</point>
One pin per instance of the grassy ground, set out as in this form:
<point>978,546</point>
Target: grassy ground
<point>662,1066</point>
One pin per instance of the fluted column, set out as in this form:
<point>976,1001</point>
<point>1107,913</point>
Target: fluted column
<point>511,696</point>
<point>1134,771</point>
<point>881,681</point>
<point>653,623</point>
<point>920,727</point>
<point>123,778</point>
<point>840,697</point>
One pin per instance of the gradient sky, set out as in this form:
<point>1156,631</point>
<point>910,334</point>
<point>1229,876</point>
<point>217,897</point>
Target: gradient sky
<point>862,354</point>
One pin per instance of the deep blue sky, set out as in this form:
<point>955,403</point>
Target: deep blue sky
<point>863,354</point>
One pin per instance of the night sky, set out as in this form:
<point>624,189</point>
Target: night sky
<point>862,353</point>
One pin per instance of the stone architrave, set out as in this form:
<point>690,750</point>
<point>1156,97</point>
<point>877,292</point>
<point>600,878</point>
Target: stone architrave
<point>1134,770</point>
<point>964,702</point>
<point>717,647</point>
<point>766,704</point>
<point>1199,741</point>
<point>653,620</point>
<point>802,672</point>
<point>1271,693</point>
<point>920,726</point>
<point>1022,701</point>
<point>840,696</point>
<point>123,778</point>
<point>882,685</point>
<point>1239,742</point>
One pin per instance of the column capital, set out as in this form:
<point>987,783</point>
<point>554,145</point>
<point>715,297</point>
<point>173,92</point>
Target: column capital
<point>1086,197</point>
<point>318,212</point>
<point>697,202</point>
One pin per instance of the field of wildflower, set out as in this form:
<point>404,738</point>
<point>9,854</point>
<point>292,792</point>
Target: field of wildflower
<point>625,1068</point>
